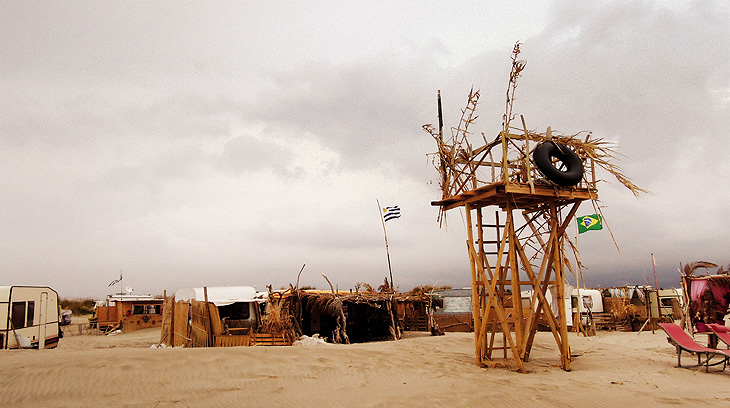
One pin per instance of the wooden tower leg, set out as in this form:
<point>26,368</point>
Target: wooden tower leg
<point>475,295</point>
<point>493,314</point>
<point>484,301</point>
<point>560,286</point>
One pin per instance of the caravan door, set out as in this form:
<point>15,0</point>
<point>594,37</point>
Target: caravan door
<point>43,315</point>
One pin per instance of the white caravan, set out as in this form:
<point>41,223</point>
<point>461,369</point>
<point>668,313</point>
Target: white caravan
<point>28,317</point>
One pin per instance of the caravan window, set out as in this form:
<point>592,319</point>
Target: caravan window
<point>18,318</point>
<point>31,312</point>
<point>587,302</point>
<point>146,309</point>
<point>235,311</point>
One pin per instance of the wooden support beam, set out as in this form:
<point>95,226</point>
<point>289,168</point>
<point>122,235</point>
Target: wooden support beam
<point>474,289</point>
<point>513,242</point>
<point>494,300</point>
<point>558,268</point>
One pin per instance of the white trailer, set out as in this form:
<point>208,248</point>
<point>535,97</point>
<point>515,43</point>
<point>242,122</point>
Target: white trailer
<point>28,317</point>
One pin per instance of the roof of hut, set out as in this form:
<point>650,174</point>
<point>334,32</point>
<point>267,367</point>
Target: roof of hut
<point>218,295</point>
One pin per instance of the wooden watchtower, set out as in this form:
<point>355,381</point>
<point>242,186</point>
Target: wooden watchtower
<point>528,257</point>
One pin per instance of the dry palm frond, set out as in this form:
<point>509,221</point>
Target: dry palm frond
<point>602,153</point>
<point>364,285</point>
<point>689,269</point>
<point>385,287</point>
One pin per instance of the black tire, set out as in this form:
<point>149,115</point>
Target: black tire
<point>570,172</point>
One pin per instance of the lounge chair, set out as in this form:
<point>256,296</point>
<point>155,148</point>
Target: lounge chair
<point>722,333</point>
<point>684,341</point>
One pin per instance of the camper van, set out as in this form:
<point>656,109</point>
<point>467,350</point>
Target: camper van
<point>590,300</point>
<point>28,317</point>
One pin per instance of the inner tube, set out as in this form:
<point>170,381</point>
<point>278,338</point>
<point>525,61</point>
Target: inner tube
<point>569,170</point>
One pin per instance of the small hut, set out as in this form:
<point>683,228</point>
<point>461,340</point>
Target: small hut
<point>634,308</point>
<point>453,311</point>
<point>356,317</point>
<point>218,317</point>
<point>706,301</point>
<point>128,312</point>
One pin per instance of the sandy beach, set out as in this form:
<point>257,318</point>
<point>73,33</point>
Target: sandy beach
<point>610,369</point>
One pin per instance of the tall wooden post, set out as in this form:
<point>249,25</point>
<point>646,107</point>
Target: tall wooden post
<point>476,305</point>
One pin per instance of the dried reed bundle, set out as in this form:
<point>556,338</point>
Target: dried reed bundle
<point>459,163</point>
<point>276,320</point>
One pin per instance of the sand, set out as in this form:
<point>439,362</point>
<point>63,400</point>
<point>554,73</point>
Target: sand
<point>612,369</point>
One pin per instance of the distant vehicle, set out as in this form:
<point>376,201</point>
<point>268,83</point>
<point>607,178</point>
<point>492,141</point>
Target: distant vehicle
<point>65,317</point>
<point>28,317</point>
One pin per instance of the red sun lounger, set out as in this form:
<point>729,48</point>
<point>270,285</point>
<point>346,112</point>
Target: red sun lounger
<point>721,332</point>
<point>684,341</point>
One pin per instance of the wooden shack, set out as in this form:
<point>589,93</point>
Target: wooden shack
<point>218,316</point>
<point>453,313</point>
<point>414,312</point>
<point>128,312</point>
<point>706,301</point>
<point>633,308</point>
<point>357,317</point>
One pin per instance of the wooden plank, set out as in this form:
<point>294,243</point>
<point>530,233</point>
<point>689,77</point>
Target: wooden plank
<point>454,322</point>
<point>215,321</point>
<point>267,339</point>
<point>181,328</point>
<point>475,298</point>
<point>199,328</point>
<point>520,194</point>
<point>231,341</point>
<point>106,315</point>
<point>168,321</point>
<point>209,326</point>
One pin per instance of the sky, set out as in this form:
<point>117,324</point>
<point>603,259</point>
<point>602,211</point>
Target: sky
<point>230,143</point>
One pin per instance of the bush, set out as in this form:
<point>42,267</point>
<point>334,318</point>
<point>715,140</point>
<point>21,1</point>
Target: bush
<point>78,307</point>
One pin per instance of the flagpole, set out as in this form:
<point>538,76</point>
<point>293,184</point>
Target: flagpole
<point>387,251</point>
<point>653,265</point>
<point>579,324</point>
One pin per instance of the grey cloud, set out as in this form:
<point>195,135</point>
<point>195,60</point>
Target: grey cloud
<point>367,114</point>
<point>251,155</point>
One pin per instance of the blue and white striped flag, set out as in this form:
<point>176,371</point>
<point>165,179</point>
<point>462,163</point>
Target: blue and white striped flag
<point>390,213</point>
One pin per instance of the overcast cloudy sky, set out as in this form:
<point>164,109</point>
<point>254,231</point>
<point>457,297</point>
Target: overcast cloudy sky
<point>229,143</point>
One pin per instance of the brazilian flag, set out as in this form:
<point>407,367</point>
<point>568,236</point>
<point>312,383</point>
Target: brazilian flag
<point>589,222</point>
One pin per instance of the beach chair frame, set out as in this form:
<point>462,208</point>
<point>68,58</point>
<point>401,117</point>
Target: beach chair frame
<point>721,332</point>
<point>684,342</point>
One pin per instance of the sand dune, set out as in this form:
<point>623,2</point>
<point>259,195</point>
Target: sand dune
<point>611,369</point>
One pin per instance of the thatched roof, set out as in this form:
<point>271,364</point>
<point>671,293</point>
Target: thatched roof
<point>369,297</point>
